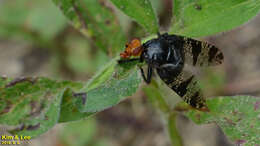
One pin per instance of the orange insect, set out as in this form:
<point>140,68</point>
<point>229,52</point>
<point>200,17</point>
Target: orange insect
<point>134,48</point>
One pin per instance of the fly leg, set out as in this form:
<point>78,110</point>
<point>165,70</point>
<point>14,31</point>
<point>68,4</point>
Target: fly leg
<point>149,74</point>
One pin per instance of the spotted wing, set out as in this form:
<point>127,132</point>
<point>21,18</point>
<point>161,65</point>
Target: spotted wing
<point>186,86</point>
<point>197,53</point>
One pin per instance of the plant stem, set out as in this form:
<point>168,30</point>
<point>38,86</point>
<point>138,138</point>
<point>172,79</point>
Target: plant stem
<point>173,132</point>
<point>155,96</point>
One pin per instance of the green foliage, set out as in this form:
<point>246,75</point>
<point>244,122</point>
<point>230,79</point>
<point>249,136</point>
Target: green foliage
<point>95,20</point>
<point>34,105</point>
<point>237,116</point>
<point>120,84</point>
<point>68,110</point>
<point>141,11</point>
<point>206,17</point>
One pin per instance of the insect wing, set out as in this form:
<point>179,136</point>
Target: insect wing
<point>197,53</point>
<point>187,87</point>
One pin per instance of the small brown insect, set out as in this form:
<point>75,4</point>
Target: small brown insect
<point>134,48</point>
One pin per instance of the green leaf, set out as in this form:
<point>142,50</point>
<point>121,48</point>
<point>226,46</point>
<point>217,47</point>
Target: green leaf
<point>238,117</point>
<point>34,105</point>
<point>141,11</point>
<point>96,20</point>
<point>70,105</point>
<point>69,111</point>
<point>207,17</point>
<point>31,105</point>
<point>101,76</point>
<point>110,86</point>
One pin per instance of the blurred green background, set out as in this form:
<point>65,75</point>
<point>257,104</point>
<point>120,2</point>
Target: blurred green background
<point>37,40</point>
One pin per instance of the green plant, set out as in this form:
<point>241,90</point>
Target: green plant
<point>34,105</point>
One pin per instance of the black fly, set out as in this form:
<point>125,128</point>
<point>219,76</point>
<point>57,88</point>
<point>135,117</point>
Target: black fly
<point>167,54</point>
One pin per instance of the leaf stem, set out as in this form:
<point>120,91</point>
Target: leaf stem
<point>154,94</point>
<point>173,132</point>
